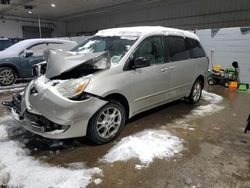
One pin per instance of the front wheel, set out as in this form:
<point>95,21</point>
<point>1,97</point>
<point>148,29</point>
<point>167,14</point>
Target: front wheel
<point>195,93</point>
<point>7,76</point>
<point>107,123</point>
<point>211,81</point>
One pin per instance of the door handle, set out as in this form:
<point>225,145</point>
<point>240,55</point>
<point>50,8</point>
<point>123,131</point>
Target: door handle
<point>172,68</point>
<point>164,69</point>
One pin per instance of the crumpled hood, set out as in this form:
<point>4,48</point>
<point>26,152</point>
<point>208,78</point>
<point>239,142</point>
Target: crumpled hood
<point>59,62</point>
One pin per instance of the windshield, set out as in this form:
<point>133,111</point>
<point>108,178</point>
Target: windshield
<point>117,46</point>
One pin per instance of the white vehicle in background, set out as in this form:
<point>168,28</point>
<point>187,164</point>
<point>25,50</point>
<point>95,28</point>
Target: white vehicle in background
<point>108,79</point>
<point>16,62</point>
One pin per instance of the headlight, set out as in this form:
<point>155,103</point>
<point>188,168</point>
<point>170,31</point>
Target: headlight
<point>72,88</point>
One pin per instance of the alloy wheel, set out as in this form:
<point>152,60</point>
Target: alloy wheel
<point>109,122</point>
<point>197,91</point>
<point>7,77</point>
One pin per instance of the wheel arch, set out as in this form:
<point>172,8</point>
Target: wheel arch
<point>202,79</point>
<point>10,66</point>
<point>120,98</point>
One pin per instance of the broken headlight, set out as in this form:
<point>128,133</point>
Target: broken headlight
<point>72,88</point>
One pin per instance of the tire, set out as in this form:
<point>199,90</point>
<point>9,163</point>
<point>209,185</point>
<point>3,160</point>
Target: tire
<point>7,76</point>
<point>196,92</point>
<point>105,121</point>
<point>211,81</point>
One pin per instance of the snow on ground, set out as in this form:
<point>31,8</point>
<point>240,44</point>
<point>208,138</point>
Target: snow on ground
<point>208,109</point>
<point>18,169</point>
<point>12,88</point>
<point>97,181</point>
<point>150,144</point>
<point>145,146</point>
<point>213,105</point>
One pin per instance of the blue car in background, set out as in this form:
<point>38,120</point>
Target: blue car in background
<point>4,43</point>
<point>16,62</point>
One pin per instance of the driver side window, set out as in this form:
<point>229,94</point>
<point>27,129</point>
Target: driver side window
<point>38,49</point>
<point>151,48</point>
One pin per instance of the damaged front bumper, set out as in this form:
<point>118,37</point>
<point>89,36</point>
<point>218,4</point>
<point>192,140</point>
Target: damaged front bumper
<point>45,112</point>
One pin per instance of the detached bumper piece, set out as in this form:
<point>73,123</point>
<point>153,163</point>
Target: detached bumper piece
<point>15,104</point>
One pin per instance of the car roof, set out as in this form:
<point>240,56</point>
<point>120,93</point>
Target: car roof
<point>145,31</point>
<point>20,46</point>
<point>2,38</point>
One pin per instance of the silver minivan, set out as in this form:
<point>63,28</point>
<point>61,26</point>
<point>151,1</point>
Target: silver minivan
<point>94,88</point>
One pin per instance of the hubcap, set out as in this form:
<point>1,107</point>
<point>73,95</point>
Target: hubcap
<point>196,92</point>
<point>109,122</point>
<point>7,77</point>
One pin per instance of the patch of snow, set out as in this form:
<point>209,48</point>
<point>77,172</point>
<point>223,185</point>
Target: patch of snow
<point>14,114</point>
<point>11,90</point>
<point>145,146</point>
<point>3,132</point>
<point>213,106</point>
<point>208,109</point>
<point>17,169</point>
<point>77,165</point>
<point>211,97</point>
<point>4,118</point>
<point>145,30</point>
<point>205,110</point>
<point>97,181</point>
<point>139,167</point>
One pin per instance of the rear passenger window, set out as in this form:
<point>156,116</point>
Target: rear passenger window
<point>195,48</point>
<point>177,49</point>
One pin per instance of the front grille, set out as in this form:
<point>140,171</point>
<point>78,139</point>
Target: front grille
<point>39,69</point>
<point>42,122</point>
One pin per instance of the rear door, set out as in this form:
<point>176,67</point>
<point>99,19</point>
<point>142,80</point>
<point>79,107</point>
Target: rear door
<point>181,66</point>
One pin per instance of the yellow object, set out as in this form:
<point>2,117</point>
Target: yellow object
<point>233,85</point>
<point>80,87</point>
<point>217,68</point>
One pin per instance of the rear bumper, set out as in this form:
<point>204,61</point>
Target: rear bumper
<point>52,116</point>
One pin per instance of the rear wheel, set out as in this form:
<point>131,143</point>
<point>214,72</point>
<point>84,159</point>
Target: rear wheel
<point>107,123</point>
<point>7,76</point>
<point>195,93</point>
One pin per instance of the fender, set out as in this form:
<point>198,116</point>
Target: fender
<point>10,65</point>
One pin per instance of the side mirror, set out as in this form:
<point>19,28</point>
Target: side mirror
<point>28,53</point>
<point>141,62</point>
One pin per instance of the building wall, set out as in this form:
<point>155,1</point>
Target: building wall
<point>184,14</point>
<point>223,46</point>
<point>11,27</point>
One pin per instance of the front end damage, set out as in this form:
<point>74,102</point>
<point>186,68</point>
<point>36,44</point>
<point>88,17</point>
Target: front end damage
<point>43,110</point>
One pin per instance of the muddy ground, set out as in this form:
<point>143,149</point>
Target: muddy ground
<point>216,154</point>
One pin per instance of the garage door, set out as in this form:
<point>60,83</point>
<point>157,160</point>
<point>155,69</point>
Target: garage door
<point>223,46</point>
<point>30,32</point>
